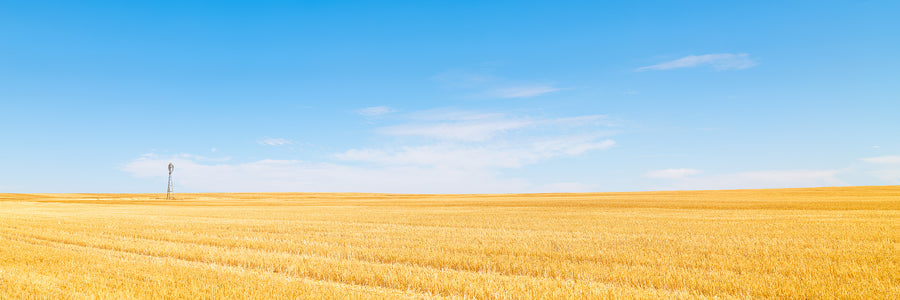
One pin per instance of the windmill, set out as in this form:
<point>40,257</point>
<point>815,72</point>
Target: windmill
<point>170,192</point>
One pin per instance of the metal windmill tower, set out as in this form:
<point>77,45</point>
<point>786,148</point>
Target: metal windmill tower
<point>170,192</point>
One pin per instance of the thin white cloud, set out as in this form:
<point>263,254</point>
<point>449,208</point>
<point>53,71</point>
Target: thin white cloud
<point>571,145</point>
<point>587,120</point>
<point>486,140</point>
<point>720,61</point>
<point>522,91</point>
<point>885,168</point>
<point>450,114</point>
<point>671,173</point>
<point>465,131</point>
<point>890,176</point>
<point>436,168</point>
<point>887,159</point>
<point>564,187</point>
<point>298,176</point>
<point>760,179</point>
<point>192,157</point>
<point>464,152</point>
<point>274,142</point>
<point>483,142</point>
<point>479,126</point>
<point>458,156</point>
<point>493,87</point>
<point>375,111</point>
<point>443,156</point>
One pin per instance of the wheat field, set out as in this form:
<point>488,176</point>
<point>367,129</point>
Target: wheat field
<point>815,243</point>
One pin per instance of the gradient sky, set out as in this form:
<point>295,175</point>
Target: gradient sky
<point>448,96</point>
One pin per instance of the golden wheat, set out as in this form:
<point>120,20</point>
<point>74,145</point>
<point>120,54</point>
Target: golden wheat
<point>785,243</point>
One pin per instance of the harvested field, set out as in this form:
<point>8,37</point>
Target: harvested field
<point>814,243</point>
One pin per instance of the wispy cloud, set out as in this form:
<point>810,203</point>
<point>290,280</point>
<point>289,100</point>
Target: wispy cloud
<point>274,142</point>
<point>522,91</point>
<point>481,126</point>
<point>270,175</point>
<point>885,168</point>
<point>579,121</point>
<point>477,156</point>
<point>721,61</point>
<point>451,114</point>
<point>671,173</point>
<point>485,85</point>
<point>890,176</point>
<point>465,131</point>
<point>189,156</point>
<point>375,111</point>
<point>465,152</point>
<point>571,145</point>
<point>753,179</point>
<point>564,187</point>
<point>887,159</point>
<point>480,140</point>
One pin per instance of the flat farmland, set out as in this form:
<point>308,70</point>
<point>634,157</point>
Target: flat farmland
<point>815,243</point>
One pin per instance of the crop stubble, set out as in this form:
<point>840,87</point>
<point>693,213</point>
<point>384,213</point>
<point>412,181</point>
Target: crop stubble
<point>781,243</point>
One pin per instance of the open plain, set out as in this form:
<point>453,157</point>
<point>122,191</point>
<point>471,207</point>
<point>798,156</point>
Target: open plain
<point>813,243</point>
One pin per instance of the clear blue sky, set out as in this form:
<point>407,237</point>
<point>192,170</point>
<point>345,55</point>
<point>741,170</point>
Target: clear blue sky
<point>448,97</point>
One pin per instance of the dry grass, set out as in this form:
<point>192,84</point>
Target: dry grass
<point>788,243</point>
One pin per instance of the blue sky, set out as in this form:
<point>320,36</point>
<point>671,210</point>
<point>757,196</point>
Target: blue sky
<point>448,97</point>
